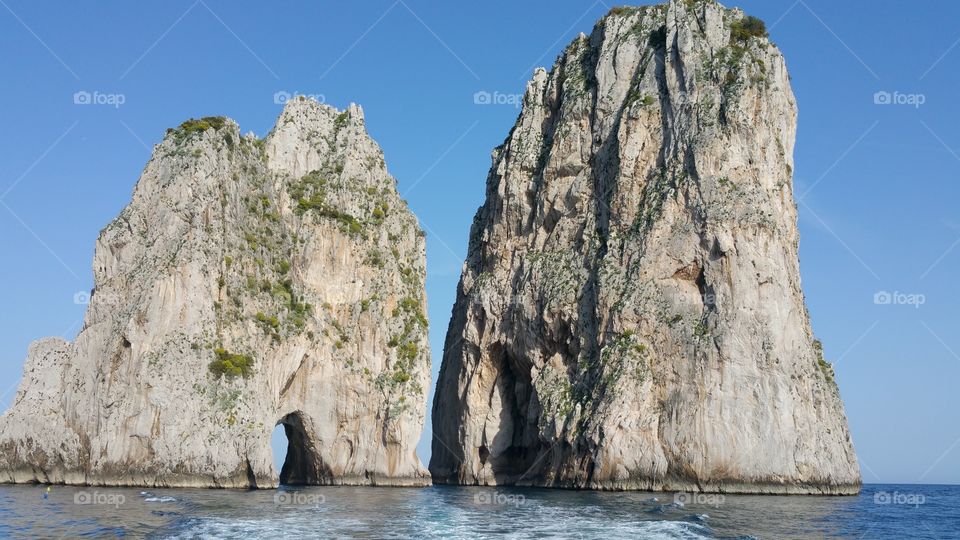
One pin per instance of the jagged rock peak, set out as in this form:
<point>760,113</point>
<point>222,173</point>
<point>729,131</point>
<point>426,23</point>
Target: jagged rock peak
<point>249,283</point>
<point>630,314</point>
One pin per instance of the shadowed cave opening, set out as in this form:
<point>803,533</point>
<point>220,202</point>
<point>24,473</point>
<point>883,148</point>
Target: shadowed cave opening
<point>300,464</point>
<point>517,442</point>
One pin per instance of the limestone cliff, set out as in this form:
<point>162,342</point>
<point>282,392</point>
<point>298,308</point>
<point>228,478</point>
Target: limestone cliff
<point>249,283</point>
<point>630,314</point>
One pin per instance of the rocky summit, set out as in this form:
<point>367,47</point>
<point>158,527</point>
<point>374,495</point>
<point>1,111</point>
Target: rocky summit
<point>630,314</point>
<point>250,283</point>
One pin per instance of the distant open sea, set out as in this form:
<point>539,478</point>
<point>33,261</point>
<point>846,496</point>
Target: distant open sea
<point>881,511</point>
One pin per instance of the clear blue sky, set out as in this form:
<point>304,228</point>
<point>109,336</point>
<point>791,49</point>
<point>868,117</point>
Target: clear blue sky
<point>879,183</point>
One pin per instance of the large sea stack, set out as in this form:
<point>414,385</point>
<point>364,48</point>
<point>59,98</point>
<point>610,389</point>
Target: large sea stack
<point>630,314</point>
<point>250,282</point>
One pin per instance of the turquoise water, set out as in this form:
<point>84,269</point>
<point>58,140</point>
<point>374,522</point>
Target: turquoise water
<point>881,511</point>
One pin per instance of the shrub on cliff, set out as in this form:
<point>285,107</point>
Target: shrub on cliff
<point>231,365</point>
<point>746,28</point>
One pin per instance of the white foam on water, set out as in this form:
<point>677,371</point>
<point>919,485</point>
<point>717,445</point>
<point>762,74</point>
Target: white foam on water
<point>160,499</point>
<point>309,526</point>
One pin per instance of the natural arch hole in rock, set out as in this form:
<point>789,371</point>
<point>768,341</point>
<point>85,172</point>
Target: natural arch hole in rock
<point>301,463</point>
<point>278,445</point>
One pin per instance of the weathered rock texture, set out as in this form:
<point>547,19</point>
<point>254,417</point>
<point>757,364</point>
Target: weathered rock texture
<point>630,314</point>
<point>249,283</point>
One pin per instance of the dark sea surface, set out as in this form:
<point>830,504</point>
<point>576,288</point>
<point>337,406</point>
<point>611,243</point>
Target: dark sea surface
<point>880,511</point>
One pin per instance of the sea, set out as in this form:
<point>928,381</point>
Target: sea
<point>880,511</point>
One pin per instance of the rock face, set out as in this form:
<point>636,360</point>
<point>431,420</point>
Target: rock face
<point>630,314</point>
<point>249,283</point>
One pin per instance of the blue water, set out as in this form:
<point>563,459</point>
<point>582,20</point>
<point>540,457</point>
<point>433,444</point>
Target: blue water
<point>881,511</point>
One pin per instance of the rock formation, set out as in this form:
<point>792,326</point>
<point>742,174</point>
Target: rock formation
<point>249,283</point>
<point>630,313</point>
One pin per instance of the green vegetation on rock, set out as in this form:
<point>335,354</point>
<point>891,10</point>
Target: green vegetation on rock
<point>231,365</point>
<point>193,126</point>
<point>311,196</point>
<point>341,120</point>
<point>746,28</point>
<point>824,366</point>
